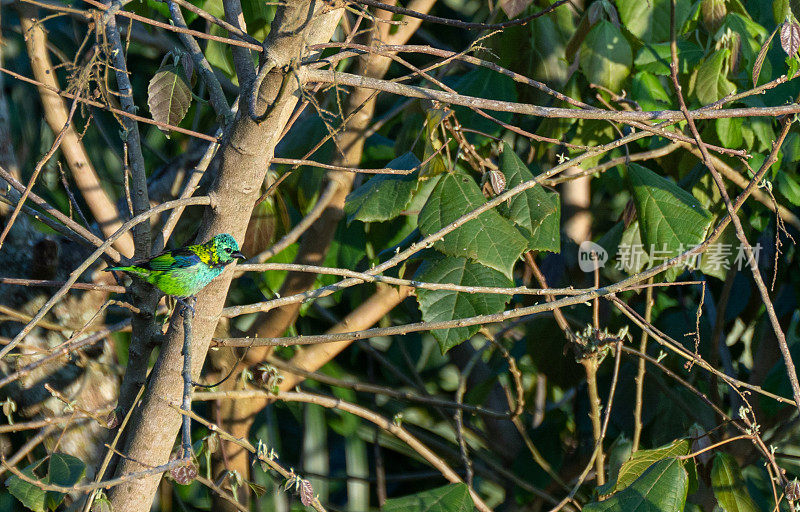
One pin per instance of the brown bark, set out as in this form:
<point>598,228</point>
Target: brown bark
<point>247,148</point>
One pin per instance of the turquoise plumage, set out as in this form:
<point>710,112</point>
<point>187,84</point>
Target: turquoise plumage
<point>184,272</point>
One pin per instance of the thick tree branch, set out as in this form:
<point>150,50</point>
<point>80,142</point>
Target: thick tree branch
<point>242,167</point>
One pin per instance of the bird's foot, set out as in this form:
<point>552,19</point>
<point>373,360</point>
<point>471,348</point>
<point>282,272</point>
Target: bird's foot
<point>186,303</point>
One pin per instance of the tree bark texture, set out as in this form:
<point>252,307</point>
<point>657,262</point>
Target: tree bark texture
<point>242,167</point>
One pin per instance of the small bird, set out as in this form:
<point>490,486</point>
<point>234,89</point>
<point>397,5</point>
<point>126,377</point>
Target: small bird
<point>184,272</point>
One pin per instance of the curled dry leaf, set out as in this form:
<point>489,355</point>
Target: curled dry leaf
<point>112,420</point>
<point>792,490</point>
<point>306,493</point>
<point>185,474</point>
<point>497,181</point>
<point>762,54</point>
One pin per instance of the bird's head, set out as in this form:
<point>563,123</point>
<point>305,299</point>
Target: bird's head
<point>225,248</point>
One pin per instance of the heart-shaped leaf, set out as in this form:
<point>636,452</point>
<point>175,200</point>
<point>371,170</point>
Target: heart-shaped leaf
<point>444,305</point>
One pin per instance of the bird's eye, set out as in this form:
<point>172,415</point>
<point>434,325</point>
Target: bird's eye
<point>228,250</point>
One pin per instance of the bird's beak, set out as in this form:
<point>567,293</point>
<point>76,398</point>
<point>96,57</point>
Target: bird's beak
<point>239,255</point>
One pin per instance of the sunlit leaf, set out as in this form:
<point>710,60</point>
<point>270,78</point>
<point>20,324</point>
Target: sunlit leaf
<point>662,488</point>
<point>606,56</point>
<point>671,220</point>
<point>649,20</point>
<point>488,239</point>
<point>710,81</point>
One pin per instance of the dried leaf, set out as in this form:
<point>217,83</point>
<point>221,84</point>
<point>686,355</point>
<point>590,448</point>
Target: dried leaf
<point>112,420</point>
<point>497,181</point>
<point>212,442</point>
<point>790,37</point>
<point>762,54</point>
<point>792,490</point>
<point>185,474</point>
<point>169,95</point>
<point>306,493</point>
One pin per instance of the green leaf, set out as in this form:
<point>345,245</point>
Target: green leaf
<point>655,58</point>
<point>729,131</point>
<point>631,254</point>
<point>435,162</point>
<point>634,467</point>
<point>536,212</point>
<point>792,66</point>
<point>484,83</point>
<point>662,488</point>
<point>29,495</point>
<point>791,148</point>
<point>384,196</point>
<point>64,470</point>
<point>219,54</point>
<point>648,91</point>
<point>729,487</point>
<point>451,498</point>
<point>444,305</point>
<point>788,187</point>
<point>257,15</point>
<point>547,48</point>
<point>763,131</point>
<point>721,255</point>
<point>606,56</point>
<point>710,81</point>
<point>489,239</point>
<point>671,220</point>
<point>169,95</point>
<point>649,20</point>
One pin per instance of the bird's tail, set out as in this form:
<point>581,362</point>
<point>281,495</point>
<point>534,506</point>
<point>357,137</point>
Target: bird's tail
<point>123,269</point>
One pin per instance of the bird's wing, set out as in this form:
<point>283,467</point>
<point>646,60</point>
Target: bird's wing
<point>179,258</point>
